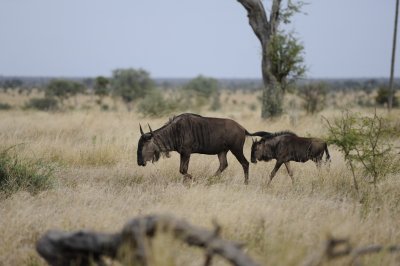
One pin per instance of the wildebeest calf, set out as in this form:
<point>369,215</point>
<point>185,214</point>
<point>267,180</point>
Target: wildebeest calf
<point>285,146</point>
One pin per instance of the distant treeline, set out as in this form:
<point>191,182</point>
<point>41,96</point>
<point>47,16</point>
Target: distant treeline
<point>252,84</point>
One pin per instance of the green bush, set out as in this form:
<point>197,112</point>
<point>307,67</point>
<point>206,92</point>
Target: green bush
<point>383,97</point>
<point>5,106</point>
<point>21,174</point>
<point>202,86</point>
<point>155,104</point>
<point>365,143</point>
<point>63,89</point>
<point>131,84</point>
<point>314,96</point>
<point>43,104</point>
<point>201,91</point>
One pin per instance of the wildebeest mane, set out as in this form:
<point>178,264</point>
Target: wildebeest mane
<point>172,135</point>
<point>276,134</point>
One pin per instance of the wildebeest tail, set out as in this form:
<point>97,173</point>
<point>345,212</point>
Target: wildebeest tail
<point>328,157</point>
<point>258,134</point>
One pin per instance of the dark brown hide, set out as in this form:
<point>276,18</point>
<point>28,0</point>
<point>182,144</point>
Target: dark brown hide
<point>191,133</point>
<point>286,146</point>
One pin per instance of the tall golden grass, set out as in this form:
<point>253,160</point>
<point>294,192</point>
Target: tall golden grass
<point>99,186</point>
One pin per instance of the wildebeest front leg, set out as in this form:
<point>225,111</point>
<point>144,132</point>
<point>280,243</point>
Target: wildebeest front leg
<point>273,173</point>
<point>289,170</point>
<point>223,163</point>
<point>185,165</point>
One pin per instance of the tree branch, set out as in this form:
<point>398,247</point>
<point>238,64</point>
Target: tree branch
<point>257,19</point>
<point>87,248</point>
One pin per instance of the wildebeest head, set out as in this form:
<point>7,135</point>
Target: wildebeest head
<point>147,148</point>
<point>262,150</point>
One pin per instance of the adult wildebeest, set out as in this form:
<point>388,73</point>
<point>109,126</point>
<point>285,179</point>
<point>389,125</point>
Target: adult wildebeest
<point>191,133</point>
<point>285,146</point>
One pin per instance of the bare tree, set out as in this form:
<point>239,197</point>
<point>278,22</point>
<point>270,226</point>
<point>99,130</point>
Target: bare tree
<point>390,100</point>
<point>265,28</point>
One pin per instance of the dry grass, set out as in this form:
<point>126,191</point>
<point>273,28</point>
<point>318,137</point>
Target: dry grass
<point>99,186</point>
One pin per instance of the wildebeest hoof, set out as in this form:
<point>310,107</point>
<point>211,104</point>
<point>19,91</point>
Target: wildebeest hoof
<point>187,177</point>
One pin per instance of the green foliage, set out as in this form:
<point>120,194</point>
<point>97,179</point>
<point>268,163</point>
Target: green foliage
<point>383,97</point>
<point>287,59</point>
<point>200,90</point>
<point>21,174</point>
<point>11,84</point>
<point>43,104</point>
<point>155,104</point>
<point>314,96</point>
<point>291,9</point>
<point>5,106</point>
<point>131,84</point>
<point>63,89</point>
<point>101,88</point>
<point>202,86</point>
<point>365,143</point>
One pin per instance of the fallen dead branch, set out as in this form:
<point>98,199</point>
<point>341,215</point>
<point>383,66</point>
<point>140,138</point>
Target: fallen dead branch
<point>339,248</point>
<point>131,245</point>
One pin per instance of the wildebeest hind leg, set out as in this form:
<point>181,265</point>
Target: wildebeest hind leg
<point>223,163</point>
<point>273,173</point>
<point>184,166</point>
<point>245,164</point>
<point>289,170</point>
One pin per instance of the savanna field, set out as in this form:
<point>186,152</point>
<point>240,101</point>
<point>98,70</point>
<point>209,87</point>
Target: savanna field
<point>96,184</point>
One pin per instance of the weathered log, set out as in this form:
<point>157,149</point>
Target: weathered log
<point>60,248</point>
<point>338,248</point>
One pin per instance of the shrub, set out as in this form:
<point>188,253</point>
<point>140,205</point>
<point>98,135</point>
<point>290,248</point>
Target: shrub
<point>63,89</point>
<point>314,96</point>
<point>43,104</point>
<point>131,84</point>
<point>365,143</point>
<point>383,97</point>
<point>5,106</point>
<point>202,86</point>
<point>101,88</point>
<point>18,174</point>
<point>200,90</point>
<point>154,104</point>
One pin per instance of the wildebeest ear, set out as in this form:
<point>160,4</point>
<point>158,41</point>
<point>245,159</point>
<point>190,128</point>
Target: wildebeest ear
<point>141,130</point>
<point>151,131</point>
<point>252,140</point>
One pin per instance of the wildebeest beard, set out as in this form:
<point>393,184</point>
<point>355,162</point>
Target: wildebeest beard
<point>160,148</point>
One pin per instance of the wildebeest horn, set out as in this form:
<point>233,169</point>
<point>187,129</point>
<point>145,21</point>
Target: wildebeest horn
<point>151,131</point>
<point>141,130</point>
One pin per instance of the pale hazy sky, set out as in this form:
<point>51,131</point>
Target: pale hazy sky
<point>184,38</point>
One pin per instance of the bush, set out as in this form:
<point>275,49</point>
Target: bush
<point>5,106</point>
<point>17,174</point>
<point>101,88</point>
<point>201,91</point>
<point>43,104</point>
<point>383,97</point>
<point>202,86</point>
<point>365,144</point>
<point>154,104</point>
<point>63,89</point>
<point>131,84</point>
<point>314,96</point>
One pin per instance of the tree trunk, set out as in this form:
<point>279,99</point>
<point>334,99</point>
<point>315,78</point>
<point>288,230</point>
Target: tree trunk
<point>272,97</point>
<point>264,29</point>
<point>391,91</point>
